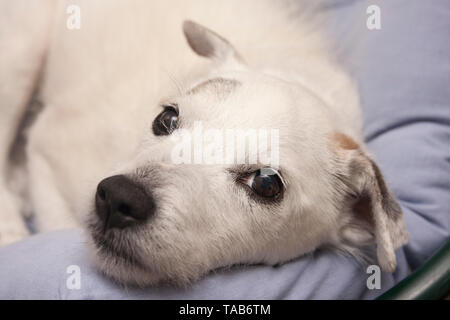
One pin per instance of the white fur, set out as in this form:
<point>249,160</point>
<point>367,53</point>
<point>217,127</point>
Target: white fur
<point>102,88</point>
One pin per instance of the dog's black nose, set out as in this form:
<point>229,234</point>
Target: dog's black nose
<point>121,202</point>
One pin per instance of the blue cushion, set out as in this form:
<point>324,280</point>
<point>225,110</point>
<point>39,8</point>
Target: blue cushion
<point>404,75</point>
<point>37,268</point>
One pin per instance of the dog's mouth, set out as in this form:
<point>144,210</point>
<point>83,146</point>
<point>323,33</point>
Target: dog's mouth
<point>116,245</point>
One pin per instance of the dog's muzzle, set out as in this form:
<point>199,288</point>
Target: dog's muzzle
<point>120,203</point>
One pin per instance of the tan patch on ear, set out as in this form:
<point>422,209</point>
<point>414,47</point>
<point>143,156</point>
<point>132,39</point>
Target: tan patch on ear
<point>343,141</point>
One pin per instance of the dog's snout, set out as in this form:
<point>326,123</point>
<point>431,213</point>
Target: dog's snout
<point>121,202</point>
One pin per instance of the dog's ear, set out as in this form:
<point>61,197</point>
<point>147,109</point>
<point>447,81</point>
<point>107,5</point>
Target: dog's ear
<point>372,212</point>
<point>209,44</point>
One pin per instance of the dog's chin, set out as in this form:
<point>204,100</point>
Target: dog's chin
<point>128,267</point>
<point>123,271</point>
<point>122,265</point>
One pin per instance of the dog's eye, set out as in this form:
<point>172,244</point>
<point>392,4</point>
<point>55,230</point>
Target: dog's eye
<point>166,122</point>
<point>266,183</point>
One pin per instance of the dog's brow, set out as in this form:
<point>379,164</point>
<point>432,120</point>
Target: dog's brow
<point>221,86</point>
<point>247,168</point>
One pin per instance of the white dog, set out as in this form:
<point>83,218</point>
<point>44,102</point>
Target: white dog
<point>110,97</point>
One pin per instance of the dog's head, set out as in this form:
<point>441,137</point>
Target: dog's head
<point>192,200</point>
